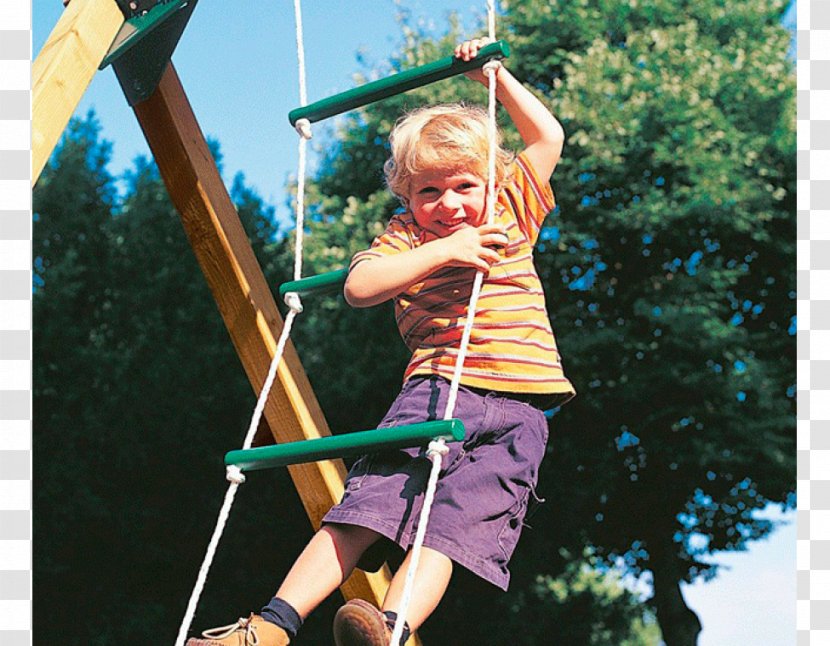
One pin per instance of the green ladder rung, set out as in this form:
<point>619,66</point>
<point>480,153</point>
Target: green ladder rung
<point>397,83</point>
<point>320,284</point>
<point>346,445</point>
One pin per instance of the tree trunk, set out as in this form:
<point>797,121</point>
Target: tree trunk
<point>679,623</point>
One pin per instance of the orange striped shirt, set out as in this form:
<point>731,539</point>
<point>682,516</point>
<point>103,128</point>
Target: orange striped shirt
<point>512,346</point>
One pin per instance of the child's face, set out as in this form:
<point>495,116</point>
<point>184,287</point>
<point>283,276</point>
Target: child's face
<point>444,201</point>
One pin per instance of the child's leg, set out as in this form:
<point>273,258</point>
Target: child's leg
<point>359,623</point>
<point>324,564</point>
<point>431,581</point>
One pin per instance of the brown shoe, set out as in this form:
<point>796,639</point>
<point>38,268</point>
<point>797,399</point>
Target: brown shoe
<point>359,623</point>
<point>253,631</point>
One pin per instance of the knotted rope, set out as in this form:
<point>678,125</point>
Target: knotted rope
<point>233,473</point>
<point>438,449</point>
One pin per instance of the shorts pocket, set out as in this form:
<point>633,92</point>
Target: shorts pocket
<point>397,411</point>
<point>357,474</point>
<point>389,421</point>
<point>512,528</point>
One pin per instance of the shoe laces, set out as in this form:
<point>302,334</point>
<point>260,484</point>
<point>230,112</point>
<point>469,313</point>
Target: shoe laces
<point>251,637</point>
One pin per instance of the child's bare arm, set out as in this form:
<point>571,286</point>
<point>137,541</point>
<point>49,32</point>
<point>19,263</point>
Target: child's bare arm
<point>376,280</point>
<point>540,130</point>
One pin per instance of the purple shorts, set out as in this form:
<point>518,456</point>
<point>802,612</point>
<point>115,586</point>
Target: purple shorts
<point>483,488</point>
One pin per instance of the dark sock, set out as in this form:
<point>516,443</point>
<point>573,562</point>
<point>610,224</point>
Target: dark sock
<point>391,618</point>
<point>282,614</point>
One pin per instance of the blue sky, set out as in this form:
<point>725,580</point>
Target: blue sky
<point>752,602</point>
<point>239,70</point>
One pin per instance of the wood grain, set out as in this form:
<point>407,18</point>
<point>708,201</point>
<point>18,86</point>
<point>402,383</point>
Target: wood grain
<point>64,67</point>
<point>244,299</point>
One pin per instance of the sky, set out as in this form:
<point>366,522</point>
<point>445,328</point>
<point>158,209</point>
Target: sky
<point>752,601</point>
<point>239,70</point>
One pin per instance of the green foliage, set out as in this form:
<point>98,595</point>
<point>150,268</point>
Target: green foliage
<point>585,602</point>
<point>610,613</point>
<point>675,239</point>
<point>138,393</point>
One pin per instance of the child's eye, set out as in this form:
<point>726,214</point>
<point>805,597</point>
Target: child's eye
<point>427,190</point>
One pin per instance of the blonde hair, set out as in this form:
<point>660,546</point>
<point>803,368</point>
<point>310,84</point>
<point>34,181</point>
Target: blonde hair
<point>451,136</point>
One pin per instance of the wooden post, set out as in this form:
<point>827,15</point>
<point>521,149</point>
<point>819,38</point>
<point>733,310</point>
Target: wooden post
<point>244,299</point>
<point>64,67</point>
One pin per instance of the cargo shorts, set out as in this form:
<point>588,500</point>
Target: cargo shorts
<point>484,486</point>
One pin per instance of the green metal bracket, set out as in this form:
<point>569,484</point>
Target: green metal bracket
<point>397,83</point>
<point>320,284</point>
<point>142,49</point>
<point>345,445</point>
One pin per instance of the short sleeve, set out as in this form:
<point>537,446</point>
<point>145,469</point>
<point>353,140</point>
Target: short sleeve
<point>395,239</point>
<point>528,197</point>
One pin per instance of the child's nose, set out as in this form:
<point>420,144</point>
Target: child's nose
<point>450,201</point>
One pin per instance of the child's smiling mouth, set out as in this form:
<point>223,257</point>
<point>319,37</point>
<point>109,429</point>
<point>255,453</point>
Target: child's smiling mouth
<point>454,225</point>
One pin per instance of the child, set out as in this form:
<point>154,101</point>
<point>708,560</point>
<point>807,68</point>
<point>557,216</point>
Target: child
<point>426,261</point>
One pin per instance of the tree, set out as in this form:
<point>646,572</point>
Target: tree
<point>137,395</point>
<point>574,599</point>
<point>610,613</point>
<point>677,218</point>
<point>68,283</point>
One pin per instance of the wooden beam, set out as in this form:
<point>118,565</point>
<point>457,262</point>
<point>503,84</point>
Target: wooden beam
<point>64,67</point>
<point>244,299</point>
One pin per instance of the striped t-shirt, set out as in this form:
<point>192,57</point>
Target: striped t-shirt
<point>512,347</point>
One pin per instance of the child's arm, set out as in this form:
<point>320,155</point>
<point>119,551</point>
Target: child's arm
<point>541,132</point>
<point>376,280</point>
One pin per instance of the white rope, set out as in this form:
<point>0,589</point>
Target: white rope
<point>438,448</point>
<point>298,32</point>
<point>491,71</point>
<point>299,231</point>
<point>304,130</point>
<point>233,473</point>
<point>491,19</point>
<point>203,571</point>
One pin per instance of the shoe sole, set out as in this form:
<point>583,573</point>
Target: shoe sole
<point>359,623</point>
